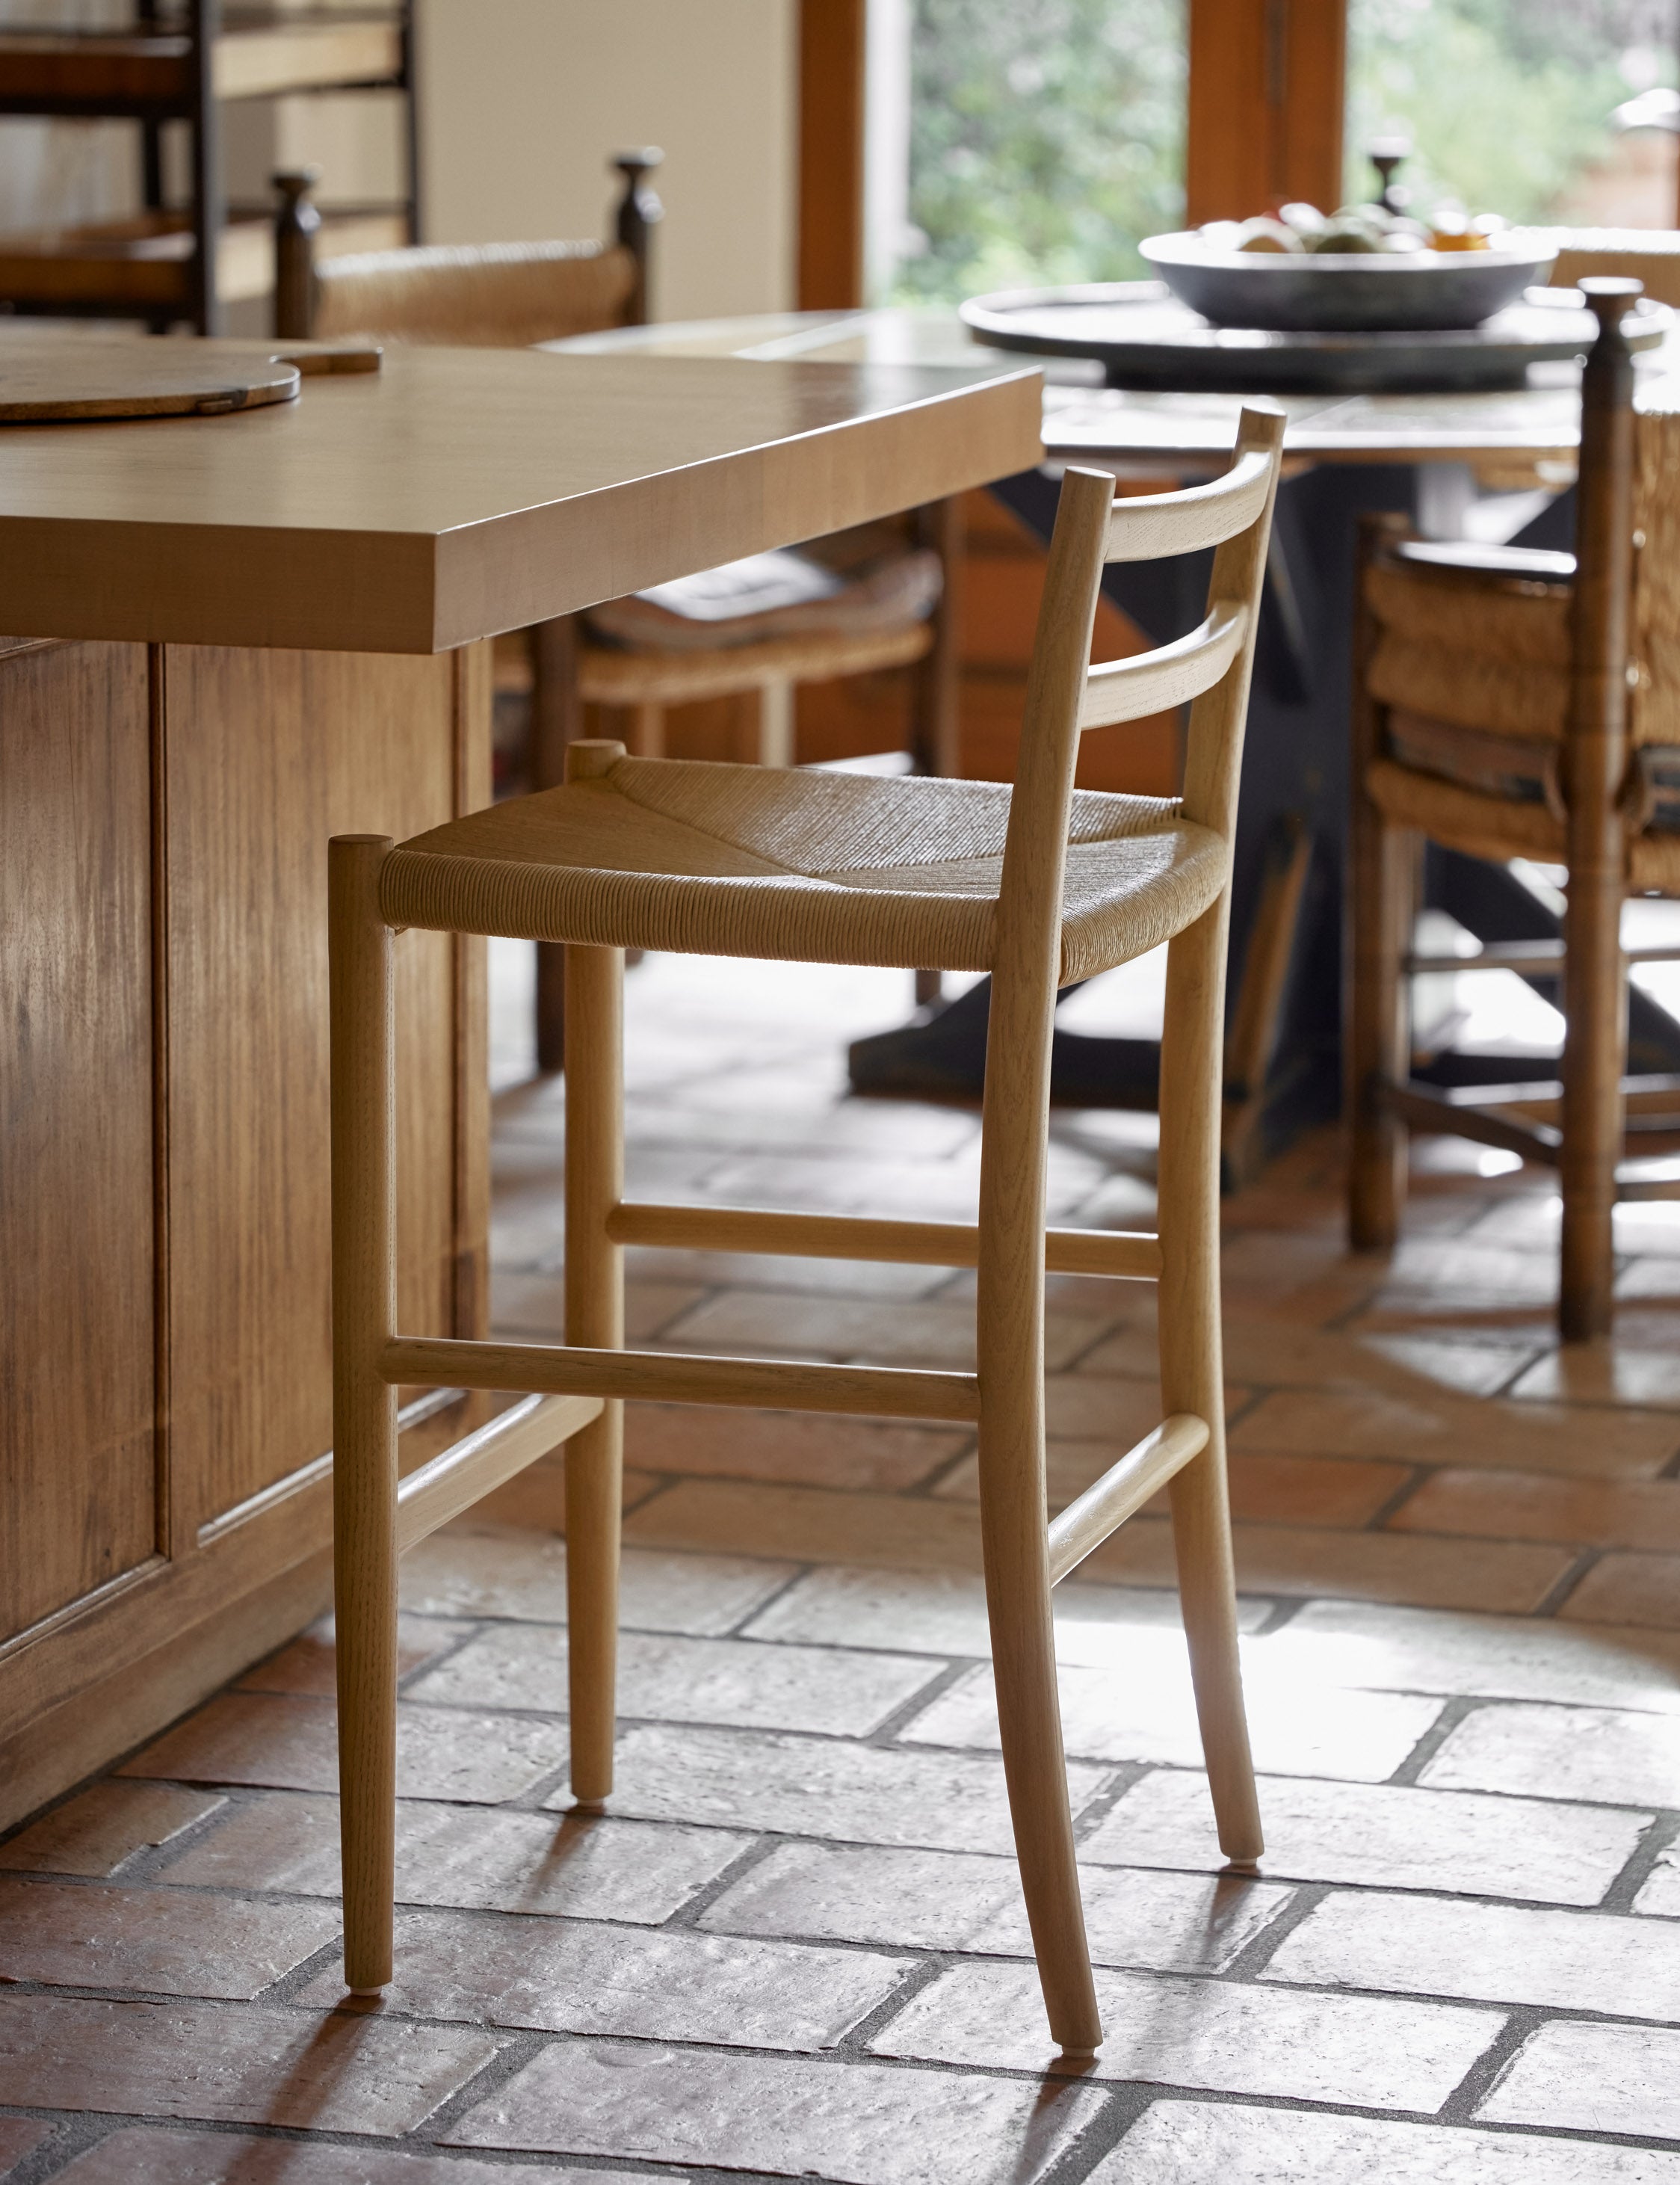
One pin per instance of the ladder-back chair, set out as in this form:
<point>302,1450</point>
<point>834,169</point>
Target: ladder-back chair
<point>1512,704</point>
<point>1039,886</point>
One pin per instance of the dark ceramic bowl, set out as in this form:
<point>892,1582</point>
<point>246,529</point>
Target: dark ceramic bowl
<point>1350,292</point>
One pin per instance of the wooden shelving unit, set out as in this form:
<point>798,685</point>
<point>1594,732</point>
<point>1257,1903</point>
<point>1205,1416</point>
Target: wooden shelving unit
<point>173,264</point>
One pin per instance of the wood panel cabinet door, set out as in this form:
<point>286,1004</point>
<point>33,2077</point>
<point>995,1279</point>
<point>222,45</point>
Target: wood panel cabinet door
<point>166,1425</point>
<point>80,1486</point>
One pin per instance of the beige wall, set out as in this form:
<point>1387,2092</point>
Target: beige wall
<point>526,99</point>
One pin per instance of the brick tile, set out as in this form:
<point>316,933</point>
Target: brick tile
<point>1377,1836</point>
<point>491,1571</point>
<point>1267,1489</point>
<point>534,1501</point>
<point>104,1825</point>
<point>18,2135</point>
<point>1593,2078</point>
<point>954,1900</point>
<point>291,1744</point>
<point>1436,1427</point>
<point>800,1448</point>
<point>679,1679</point>
<point>771,1271</point>
<point>1517,1506</point>
<point>821,1787</point>
<point>567,1976</point>
<point>1451,1277</point>
<point>1659,1896</point>
<point>1107,1408</point>
<point>178,2158</point>
<point>1497,1657</point>
<point>329,2073</point>
<point>1628,1588</point>
<point>528,1307</point>
<point>809,1524</point>
<point>1390,1567</point>
<point>1150,1714</point>
<point>71,1935</point>
<point>928,1333</point>
<point>1277,1354</point>
<point>944,1612</point>
<point>1486,1953</point>
<point>860,2124</point>
<point>1583,1373</point>
<point>1175,2141</point>
<point>1225,2036</point>
<point>308,1665</point>
<point>1606,1755</point>
<point>589,1868</point>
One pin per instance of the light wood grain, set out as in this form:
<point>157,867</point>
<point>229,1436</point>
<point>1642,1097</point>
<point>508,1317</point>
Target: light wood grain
<point>1144,527</point>
<point>775,1384</point>
<point>469,1469</point>
<point>594,1316</point>
<point>850,1236</point>
<point>83,1490</point>
<point>364,1406</point>
<point>1123,1489</point>
<point>1168,674</point>
<point>461,492</point>
<point>1192,1372</point>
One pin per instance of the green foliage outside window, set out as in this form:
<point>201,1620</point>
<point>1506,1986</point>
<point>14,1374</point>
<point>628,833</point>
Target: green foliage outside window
<point>1506,101</point>
<point>1046,138</point>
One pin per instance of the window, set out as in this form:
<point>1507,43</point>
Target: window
<point>1046,138</point>
<point>1509,105</point>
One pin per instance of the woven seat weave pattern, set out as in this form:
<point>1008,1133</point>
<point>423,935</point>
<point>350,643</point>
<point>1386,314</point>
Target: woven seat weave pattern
<point>806,867</point>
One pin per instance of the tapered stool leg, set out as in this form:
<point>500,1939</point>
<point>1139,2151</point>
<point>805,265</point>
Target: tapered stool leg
<point>1192,1368</point>
<point>1009,1345</point>
<point>364,1407</point>
<point>595,1315</point>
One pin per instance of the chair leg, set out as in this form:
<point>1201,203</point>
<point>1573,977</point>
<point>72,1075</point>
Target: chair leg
<point>595,1315</point>
<point>1595,1040</point>
<point>1193,1367</point>
<point>1009,1340</point>
<point>1384,889</point>
<point>364,1407</point>
<point>556,721</point>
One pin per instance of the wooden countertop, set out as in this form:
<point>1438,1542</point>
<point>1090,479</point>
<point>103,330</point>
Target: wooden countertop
<point>462,491</point>
<point>1535,427</point>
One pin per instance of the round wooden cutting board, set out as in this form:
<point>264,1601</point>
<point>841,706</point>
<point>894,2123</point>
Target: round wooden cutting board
<point>42,382</point>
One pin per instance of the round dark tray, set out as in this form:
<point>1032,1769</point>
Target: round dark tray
<point>1421,291</point>
<point>1144,338</point>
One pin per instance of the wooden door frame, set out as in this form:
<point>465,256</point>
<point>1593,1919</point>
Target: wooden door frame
<point>1267,85</point>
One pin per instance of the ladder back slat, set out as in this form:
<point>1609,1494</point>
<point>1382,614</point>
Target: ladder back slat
<point>1144,529</point>
<point>1169,675</point>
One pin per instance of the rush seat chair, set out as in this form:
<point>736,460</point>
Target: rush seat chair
<point>1038,885</point>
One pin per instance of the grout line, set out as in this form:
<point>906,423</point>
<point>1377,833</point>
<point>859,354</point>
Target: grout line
<point>1250,1961</point>
<point>1453,1710</point>
<point>1561,1588</point>
<point>1378,1520</point>
<point>1485,2074</point>
<point>1642,1862</point>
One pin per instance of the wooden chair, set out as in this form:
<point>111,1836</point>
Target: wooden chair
<point>1038,887</point>
<point>1510,704</point>
<point>520,294</point>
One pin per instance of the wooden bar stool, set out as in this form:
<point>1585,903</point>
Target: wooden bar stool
<point>1038,887</point>
<point>1510,704</point>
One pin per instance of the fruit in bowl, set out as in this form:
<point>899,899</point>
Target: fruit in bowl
<point>1363,268</point>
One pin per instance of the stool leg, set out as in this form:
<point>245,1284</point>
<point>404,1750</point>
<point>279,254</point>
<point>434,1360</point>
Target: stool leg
<point>1384,892</point>
<point>595,1315</point>
<point>364,1406</point>
<point>1193,1371</point>
<point>1009,1344</point>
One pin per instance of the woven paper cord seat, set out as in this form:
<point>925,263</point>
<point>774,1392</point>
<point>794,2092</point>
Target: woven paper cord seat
<point>819,867</point>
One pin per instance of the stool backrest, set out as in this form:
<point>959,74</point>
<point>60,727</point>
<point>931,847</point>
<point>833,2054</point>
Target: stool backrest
<point>504,295</point>
<point>1210,668</point>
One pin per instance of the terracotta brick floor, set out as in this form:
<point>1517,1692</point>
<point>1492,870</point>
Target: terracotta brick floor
<point>795,1945</point>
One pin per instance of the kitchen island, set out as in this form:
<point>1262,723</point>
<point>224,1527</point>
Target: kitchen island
<point>231,637</point>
